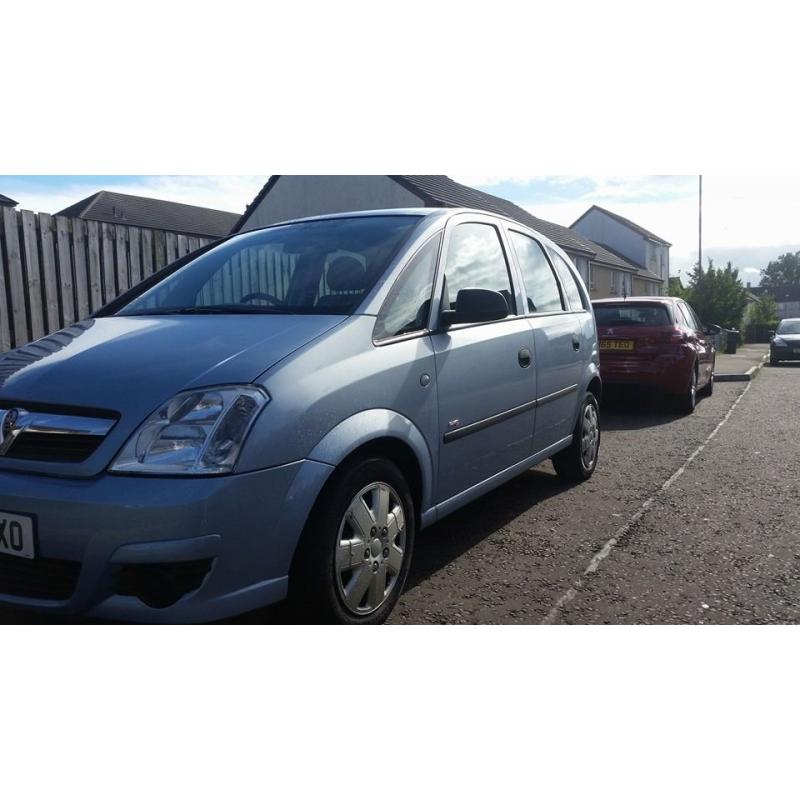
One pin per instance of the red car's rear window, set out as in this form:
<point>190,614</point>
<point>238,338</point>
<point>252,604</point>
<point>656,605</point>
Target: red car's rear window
<point>650,315</point>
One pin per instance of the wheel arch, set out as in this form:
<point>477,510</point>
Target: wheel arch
<point>596,387</point>
<point>385,433</point>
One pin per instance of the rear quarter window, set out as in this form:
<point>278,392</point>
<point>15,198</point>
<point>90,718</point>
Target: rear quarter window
<point>567,281</point>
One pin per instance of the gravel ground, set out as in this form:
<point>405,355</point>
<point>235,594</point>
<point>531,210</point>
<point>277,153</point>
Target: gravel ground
<point>722,544</point>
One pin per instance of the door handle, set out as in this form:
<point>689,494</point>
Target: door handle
<point>576,342</point>
<point>524,357</point>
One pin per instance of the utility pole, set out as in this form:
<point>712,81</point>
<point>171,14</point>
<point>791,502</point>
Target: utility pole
<point>700,225</point>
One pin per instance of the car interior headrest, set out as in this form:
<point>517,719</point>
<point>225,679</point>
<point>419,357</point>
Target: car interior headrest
<point>346,274</point>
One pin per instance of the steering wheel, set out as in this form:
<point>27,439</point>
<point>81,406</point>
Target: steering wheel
<point>267,298</point>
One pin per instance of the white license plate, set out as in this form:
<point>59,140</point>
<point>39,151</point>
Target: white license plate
<point>16,535</point>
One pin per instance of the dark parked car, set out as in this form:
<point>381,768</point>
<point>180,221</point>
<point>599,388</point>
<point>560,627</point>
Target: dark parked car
<point>785,342</point>
<point>656,341</point>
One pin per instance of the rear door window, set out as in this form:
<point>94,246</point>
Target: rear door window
<point>541,287</point>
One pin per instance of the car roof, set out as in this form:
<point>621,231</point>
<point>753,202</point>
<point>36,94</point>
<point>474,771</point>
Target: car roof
<point>433,212</point>
<point>634,299</point>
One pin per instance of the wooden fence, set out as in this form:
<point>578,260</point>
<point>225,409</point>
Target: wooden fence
<point>57,270</point>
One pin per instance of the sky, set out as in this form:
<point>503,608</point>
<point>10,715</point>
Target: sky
<point>747,219</point>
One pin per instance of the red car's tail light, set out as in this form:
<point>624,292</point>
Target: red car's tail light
<point>675,336</point>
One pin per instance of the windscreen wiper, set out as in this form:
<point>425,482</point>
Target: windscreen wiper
<point>211,309</point>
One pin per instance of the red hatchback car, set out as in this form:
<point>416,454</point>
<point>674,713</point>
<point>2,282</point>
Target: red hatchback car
<point>656,341</point>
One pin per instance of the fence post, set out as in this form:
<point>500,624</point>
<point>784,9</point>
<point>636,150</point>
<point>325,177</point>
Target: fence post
<point>5,316</point>
<point>64,271</point>
<point>79,244</point>
<point>30,252</point>
<point>16,277</point>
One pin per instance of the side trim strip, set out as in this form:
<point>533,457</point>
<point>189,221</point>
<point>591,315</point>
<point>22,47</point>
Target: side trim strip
<point>548,398</point>
<point>460,433</point>
<point>474,427</point>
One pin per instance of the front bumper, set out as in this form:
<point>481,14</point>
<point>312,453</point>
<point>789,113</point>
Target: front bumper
<point>785,353</point>
<point>245,526</point>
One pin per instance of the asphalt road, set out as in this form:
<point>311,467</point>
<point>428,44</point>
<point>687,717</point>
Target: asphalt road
<point>720,544</point>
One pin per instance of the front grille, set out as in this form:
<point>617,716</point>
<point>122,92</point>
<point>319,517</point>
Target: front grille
<point>39,578</point>
<point>64,448</point>
<point>56,435</point>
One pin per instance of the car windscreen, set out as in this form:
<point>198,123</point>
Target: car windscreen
<point>316,267</point>
<point>644,314</point>
<point>788,326</point>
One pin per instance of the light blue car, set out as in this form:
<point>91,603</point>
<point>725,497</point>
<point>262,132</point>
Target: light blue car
<point>279,415</point>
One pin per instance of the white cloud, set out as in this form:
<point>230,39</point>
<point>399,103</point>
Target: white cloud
<point>485,181</point>
<point>746,219</point>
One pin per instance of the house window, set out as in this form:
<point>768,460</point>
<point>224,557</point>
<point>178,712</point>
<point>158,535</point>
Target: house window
<point>583,269</point>
<point>653,255</point>
<point>621,283</point>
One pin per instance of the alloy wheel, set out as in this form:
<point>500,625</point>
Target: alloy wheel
<point>371,548</point>
<point>590,436</point>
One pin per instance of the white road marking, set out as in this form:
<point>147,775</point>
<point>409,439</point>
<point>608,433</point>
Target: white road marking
<point>605,551</point>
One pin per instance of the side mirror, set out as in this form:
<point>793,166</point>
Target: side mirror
<point>771,334</point>
<point>476,305</point>
<point>713,330</point>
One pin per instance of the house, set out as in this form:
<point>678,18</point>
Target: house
<point>147,212</point>
<point>787,298</point>
<point>7,202</point>
<point>605,272</point>
<point>631,242</point>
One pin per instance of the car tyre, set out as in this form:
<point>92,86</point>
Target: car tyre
<point>579,461</point>
<point>708,389</point>
<point>354,555</point>
<point>687,402</point>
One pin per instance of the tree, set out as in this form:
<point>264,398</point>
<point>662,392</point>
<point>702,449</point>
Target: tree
<point>675,288</point>
<point>783,272</point>
<point>717,295</point>
<point>764,312</point>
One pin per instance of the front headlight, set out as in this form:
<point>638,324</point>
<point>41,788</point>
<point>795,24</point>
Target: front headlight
<point>778,342</point>
<point>196,433</point>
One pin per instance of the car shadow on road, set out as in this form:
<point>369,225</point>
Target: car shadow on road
<point>634,408</point>
<point>445,541</point>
